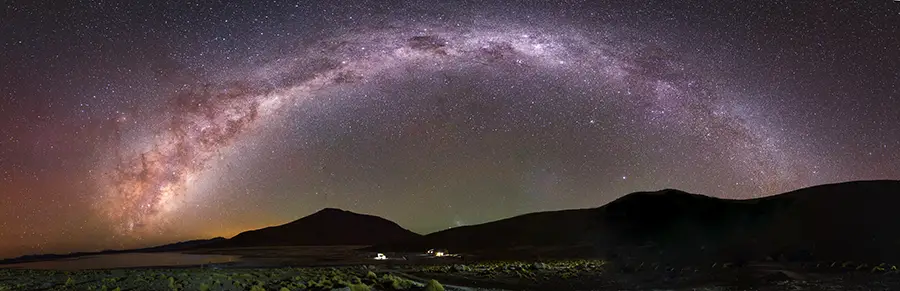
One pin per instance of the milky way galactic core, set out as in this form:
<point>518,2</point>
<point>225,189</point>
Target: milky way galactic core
<point>150,180</point>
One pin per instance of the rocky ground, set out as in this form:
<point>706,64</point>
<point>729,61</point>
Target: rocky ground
<point>601,275</point>
<point>506,275</point>
<point>281,279</point>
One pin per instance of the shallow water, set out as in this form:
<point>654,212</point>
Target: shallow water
<point>128,260</point>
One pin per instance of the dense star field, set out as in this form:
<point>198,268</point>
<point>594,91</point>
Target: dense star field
<point>125,125</point>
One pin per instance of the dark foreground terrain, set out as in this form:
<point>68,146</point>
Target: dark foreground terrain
<point>851,221</point>
<point>662,240</point>
<point>507,275</point>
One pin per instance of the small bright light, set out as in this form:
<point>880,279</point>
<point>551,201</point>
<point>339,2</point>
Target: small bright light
<point>380,256</point>
<point>439,254</point>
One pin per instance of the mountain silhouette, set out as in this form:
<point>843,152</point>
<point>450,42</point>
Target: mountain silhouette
<point>179,246</point>
<point>852,221</point>
<point>172,247</point>
<point>327,227</point>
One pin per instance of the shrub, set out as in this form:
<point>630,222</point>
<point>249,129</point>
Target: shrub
<point>391,282</point>
<point>401,284</point>
<point>359,287</point>
<point>325,283</point>
<point>322,284</point>
<point>433,285</point>
<point>339,281</point>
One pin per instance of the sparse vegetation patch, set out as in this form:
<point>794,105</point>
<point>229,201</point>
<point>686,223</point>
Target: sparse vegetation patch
<point>509,275</point>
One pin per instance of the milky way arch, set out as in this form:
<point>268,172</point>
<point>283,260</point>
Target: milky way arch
<point>148,180</point>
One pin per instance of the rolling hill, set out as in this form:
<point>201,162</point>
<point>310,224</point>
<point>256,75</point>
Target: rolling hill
<point>846,221</point>
<point>173,247</point>
<point>327,227</point>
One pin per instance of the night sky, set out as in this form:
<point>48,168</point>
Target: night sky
<point>134,124</point>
